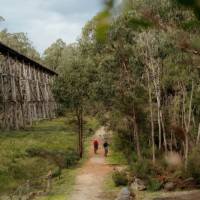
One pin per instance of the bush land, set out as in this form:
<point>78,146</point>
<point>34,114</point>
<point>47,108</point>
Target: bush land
<point>33,152</point>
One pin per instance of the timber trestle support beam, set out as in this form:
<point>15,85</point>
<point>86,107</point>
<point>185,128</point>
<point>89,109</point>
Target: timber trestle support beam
<point>25,90</point>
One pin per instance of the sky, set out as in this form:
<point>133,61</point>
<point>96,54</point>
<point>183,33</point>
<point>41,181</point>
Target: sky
<point>45,21</point>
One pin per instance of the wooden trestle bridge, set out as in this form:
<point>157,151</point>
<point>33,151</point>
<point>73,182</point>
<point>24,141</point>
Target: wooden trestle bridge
<point>25,90</point>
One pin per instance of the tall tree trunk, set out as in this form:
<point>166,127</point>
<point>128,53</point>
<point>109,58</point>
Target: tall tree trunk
<point>198,135</point>
<point>79,115</point>
<point>161,125</point>
<point>137,140</point>
<point>171,141</point>
<point>156,82</point>
<point>159,131</point>
<point>152,122</point>
<point>81,134</point>
<point>164,131</point>
<point>188,127</point>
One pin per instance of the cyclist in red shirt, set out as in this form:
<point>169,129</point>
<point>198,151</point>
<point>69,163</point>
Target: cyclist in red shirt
<point>96,146</point>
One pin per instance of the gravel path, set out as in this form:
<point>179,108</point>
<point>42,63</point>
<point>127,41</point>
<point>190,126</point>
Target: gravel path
<point>90,179</point>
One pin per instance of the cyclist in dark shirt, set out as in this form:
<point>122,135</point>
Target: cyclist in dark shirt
<point>105,146</point>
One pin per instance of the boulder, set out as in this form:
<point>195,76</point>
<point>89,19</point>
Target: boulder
<point>189,180</point>
<point>169,186</point>
<point>124,194</point>
<point>138,185</point>
<point>189,183</point>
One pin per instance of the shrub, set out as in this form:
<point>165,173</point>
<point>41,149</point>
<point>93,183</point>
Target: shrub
<point>7,183</point>
<point>193,169</point>
<point>56,172</point>
<point>16,170</point>
<point>89,132</point>
<point>120,178</point>
<point>61,111</point>
<point>63,159</point>
<point>71,158</point>
<point>154,185</point>
<point>143,169</point>
<point>32,152</point>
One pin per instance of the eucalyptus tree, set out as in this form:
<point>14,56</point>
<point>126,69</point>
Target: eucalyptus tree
<point>73,86</point>
<point>143,68</point>
<point>21,43</point>
<point>144,44</point>
<point>53,55</point>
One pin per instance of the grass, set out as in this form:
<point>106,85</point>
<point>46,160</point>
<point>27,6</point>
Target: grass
<point>116,158</point>
<point>16,166</point>
<point>110,190</point>
<point>62,187</point>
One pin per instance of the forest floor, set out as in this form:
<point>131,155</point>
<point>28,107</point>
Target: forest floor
<point>90,179</point>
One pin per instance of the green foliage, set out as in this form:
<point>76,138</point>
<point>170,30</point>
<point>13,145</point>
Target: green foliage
<point>194,4</point>
<point>143,169</point>
<point>92,123</point>
<point>122,57</point>
<point>117,157</point>
<point>31,153</point>
<point>120,178</point>
<point>21,43</point>
<point>121,141</point>
<point>61,111</point>
<point>139,23</point>
<point>154,185</point>
<point>191,25</point>
<point>61,158</point>
<point>72,87</point>
<point>193,169</point>
<point>56,172</point>
<point>71,158</point>
<point>102,25</point>
<point>7,183</point>
<point>62,188</point>
<point>53,55</point>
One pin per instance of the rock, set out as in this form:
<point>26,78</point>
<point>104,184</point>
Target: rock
<point>124,194</point>
<point>31,196</point>
<point>138,185</point>
<point>131,179</point>
<point>169,186</point>
<point>189,180</point>
<point>132,193</point>
<point>189,183</point>
<point>120,168</point>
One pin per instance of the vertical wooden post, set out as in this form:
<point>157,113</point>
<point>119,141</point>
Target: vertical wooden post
<point>25,93</point>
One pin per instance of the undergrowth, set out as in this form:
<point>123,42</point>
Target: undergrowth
<point>34,151</point>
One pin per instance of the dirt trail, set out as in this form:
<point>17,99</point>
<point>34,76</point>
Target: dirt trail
<point>185,195</point>
<point>90,179</point>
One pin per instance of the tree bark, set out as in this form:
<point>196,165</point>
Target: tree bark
<point>79,115</point>
<point>164,131</point>
<point>156,83</point>
<point>188,127</point>
<point>137,140</point>
<point>152,122</point>
<point>198,135</point>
